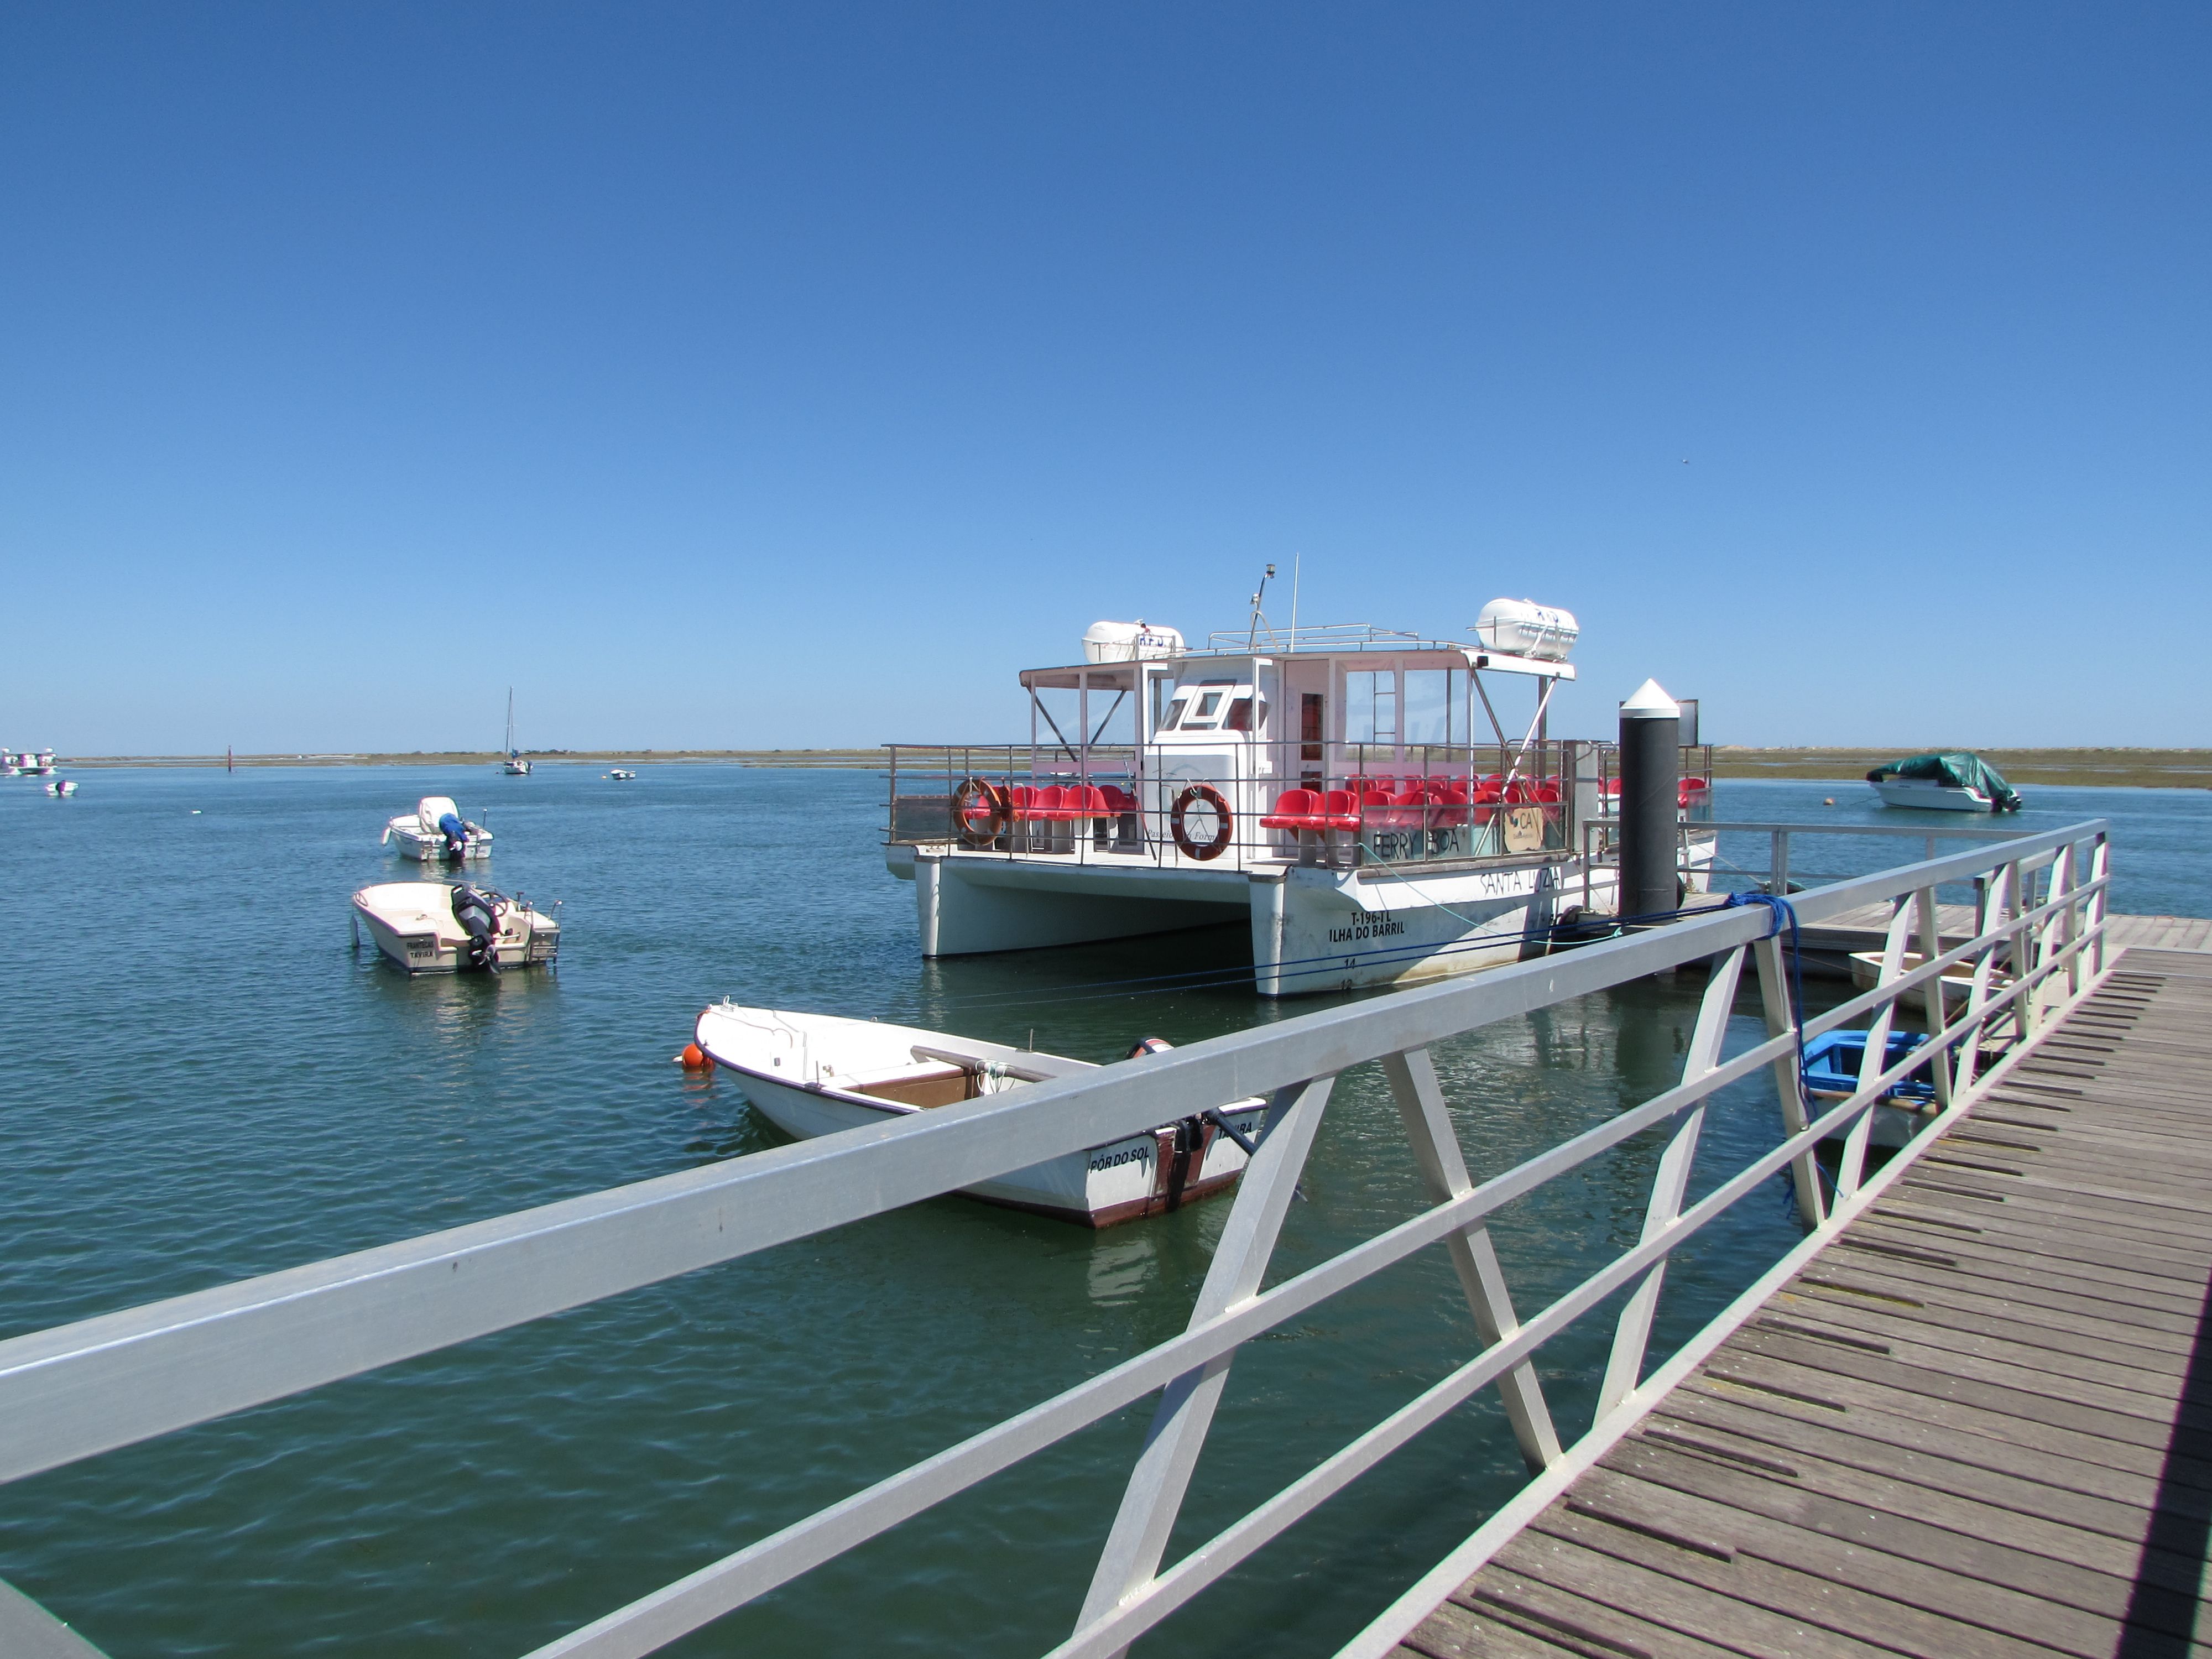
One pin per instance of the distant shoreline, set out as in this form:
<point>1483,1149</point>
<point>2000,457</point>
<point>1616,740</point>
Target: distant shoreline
<point>2112,769</point>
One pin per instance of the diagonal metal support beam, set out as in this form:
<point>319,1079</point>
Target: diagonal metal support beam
<point>1154,1496</point>
<point>27,1631</point>
<point>1788,1083</point>
<point>1670,1182</point>
<point>1421,1108</point>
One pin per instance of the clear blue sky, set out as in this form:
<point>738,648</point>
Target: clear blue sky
<point>734,376</point>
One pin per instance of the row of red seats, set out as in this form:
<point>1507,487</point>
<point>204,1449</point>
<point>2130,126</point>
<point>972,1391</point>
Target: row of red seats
<point>1434,803</point>
<point>1059,804</point>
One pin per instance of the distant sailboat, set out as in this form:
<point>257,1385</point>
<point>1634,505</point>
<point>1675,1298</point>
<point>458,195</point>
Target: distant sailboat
<point>516,767</point>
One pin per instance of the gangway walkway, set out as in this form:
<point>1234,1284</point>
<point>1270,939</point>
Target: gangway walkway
<point>1979,1423</point>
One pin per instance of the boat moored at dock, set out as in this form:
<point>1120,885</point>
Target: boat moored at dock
<point>1355,796</point>
<point>815,1075</point>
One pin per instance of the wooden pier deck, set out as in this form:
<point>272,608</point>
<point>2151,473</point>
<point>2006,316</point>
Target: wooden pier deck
<point>1828,945</point>
<point>1977,1425</point>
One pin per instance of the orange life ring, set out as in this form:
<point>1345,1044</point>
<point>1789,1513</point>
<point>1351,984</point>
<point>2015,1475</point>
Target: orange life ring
<point>1212,797</point>
<point>996,806</point>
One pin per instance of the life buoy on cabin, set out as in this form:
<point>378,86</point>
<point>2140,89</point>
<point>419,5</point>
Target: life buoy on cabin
<point>1212,797</point>
<point>980,799</point>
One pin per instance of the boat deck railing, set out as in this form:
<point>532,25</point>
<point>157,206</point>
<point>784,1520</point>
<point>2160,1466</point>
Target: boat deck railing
<point>78,1390</point>
<point>1414,804</point>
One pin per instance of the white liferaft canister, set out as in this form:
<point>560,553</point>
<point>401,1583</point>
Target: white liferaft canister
<point>1521,627</point>
<point>1136,642</point>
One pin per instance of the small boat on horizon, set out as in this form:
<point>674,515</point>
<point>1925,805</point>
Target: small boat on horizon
<point>1948,780</point>
<point>435,829</point>
<point>620,775</point>
<point>815,1075</point>
<point>444,927</point>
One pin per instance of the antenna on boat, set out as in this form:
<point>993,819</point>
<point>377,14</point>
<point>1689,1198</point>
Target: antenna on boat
<point>1295,560</point>
<point>1259,617</point>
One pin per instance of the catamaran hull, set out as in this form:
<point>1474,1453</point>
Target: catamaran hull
<point>1099,1186</point>
<point>1314,928</point>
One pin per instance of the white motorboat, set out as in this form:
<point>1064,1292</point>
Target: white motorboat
<point>436,830</point>
<point>443,927</point>
<point>1958,979</point>
<point>620,776</point>
<point>815,1075</point>
<point>1951,781</point>
<point>515,766</point>
<point>60,788</point>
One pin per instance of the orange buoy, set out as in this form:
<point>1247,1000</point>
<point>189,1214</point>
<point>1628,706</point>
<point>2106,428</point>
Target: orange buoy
<point>693,1057</point>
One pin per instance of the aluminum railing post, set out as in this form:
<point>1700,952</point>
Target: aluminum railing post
<point>2100,866</point>
<point>1789,1083</point>
<point>1669,1181</point>
<point>1931,946</point>
<point>1436,1153</point>
<point>1875,1062</point>
<point>1778,863</point>
<point>1154,1495</point>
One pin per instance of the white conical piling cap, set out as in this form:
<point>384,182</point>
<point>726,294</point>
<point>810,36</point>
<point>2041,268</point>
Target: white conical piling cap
<point>1650,702</point>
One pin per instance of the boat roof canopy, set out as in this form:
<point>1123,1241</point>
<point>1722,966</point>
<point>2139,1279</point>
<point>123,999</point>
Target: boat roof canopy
<point>1365,654</point>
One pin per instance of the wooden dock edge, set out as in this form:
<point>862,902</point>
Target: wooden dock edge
<point>1383,1635</point>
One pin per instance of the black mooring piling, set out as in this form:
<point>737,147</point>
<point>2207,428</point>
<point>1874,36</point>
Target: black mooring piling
<point>1650,782</point>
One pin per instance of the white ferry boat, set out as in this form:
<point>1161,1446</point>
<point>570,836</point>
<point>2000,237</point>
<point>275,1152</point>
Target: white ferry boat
<point>1379,808</point>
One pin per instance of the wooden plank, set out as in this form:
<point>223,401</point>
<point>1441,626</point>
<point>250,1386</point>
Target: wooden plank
<point>1806,1599</point>
<point>2083,1431</point>
<point>1841,1556</point>
<point>1673,1604</point>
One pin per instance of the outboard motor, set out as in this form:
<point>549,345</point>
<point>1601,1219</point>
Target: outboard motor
<point>456,834</point>
<point>478,915</point>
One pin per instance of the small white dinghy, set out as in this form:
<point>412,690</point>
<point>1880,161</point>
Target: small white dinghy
<point>435,829</point>
<point>62,787</point>
<point>443,927</point>
<point>1957,980</point>
<point>815,1075</point>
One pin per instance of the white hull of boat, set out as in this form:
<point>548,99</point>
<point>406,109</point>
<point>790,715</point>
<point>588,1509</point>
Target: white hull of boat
<point>1314,928</point>
<point>412,923</point>
<point>1929,796</point>
<point>1958,980</point>
<point>809,1075</point>
<point>407,839</point>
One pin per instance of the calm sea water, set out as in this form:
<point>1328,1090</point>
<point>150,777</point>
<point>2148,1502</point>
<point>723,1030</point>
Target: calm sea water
<point>205,1080</point>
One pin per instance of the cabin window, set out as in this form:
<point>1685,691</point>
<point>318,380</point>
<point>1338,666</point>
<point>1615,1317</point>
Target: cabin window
<point>1370,706</point>
<point>1173,718</point>
<point>1244,718</point>
<point>1435,706</point>
<point>1206,714</point>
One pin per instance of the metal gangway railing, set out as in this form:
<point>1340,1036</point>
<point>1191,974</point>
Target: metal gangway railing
<point>80,1389</point>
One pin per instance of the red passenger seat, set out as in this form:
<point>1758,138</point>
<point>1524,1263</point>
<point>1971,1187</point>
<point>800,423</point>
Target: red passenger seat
<point>1295,809</point>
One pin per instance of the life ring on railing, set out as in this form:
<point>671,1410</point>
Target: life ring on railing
<point>1212,797</point>
<point>980,797</point>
